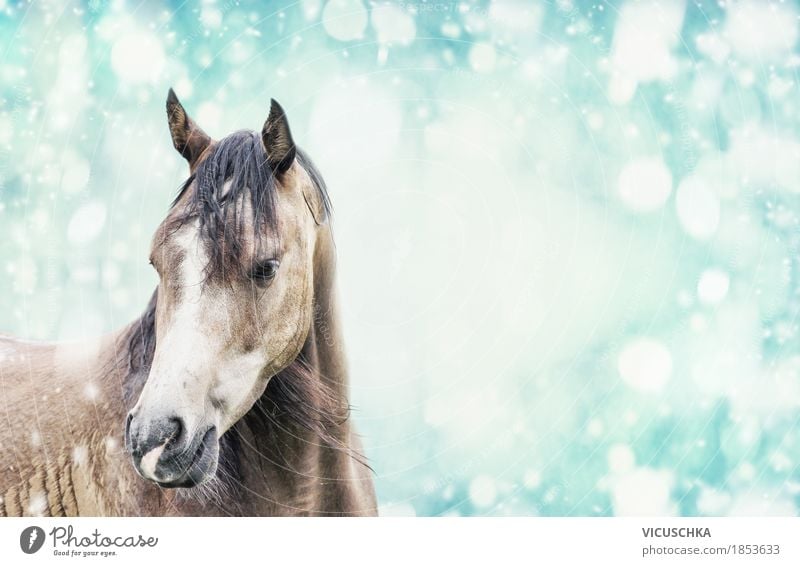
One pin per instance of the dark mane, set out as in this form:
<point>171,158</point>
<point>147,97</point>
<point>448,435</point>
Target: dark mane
<point>296,397</point>
<point>240,162</point>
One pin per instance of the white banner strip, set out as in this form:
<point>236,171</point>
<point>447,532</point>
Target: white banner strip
<point>506,541</point>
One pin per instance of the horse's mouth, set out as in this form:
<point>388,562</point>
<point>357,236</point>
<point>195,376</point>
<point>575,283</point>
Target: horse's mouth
<point>203,463</point>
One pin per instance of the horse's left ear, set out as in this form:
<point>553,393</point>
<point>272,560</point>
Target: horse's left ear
<point>278,139</point>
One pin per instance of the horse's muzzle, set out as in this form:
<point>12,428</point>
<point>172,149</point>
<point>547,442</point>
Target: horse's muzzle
<point>163,451</point>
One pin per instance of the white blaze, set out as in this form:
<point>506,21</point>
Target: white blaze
<point>180,341</point>
<point>171,388</point>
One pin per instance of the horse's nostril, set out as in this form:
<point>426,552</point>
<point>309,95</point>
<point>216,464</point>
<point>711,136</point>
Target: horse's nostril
<point>175,431</point>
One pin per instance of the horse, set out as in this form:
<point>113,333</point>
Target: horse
<point>229,395</point>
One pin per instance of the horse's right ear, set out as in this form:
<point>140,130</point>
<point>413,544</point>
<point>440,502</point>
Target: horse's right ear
<point>187,137</point>
<point>277,138</point>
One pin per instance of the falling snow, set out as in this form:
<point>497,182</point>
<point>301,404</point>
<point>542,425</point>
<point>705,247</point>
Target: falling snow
<point>568,236</point>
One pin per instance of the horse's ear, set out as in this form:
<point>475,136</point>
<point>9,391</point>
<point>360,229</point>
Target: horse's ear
<point>278,139</point>
<point>187,137</point>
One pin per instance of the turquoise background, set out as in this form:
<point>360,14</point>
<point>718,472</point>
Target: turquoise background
<point>568,231</point>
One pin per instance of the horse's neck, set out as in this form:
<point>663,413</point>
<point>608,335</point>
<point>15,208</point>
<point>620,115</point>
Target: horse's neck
<point>269,451</point>
<point>326,334</point>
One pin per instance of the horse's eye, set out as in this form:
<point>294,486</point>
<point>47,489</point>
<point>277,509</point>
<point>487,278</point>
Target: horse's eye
<point>264,271</point>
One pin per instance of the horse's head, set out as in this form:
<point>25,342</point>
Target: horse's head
<point>234,302</point>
